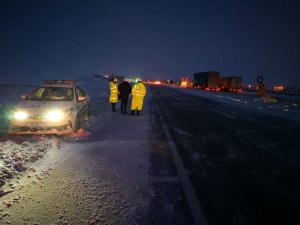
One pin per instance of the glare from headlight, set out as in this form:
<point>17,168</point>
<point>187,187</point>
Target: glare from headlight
<point>20,115</point>
<point>55,115</point>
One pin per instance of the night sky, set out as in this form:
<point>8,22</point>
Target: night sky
<point>150,39</point>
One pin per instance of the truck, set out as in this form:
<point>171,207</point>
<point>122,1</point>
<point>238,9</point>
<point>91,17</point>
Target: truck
<point>231,83</point>
<point>209,80</point>
<point>186,82</point>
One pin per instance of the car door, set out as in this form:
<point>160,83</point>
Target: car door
<point>82,104</point>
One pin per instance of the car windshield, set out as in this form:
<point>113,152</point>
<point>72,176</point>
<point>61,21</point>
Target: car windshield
<point>51,94</point>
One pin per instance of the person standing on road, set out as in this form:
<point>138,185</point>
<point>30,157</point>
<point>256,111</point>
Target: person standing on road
<point>124,90</point>
<point>138,93</point>
<point>113,98</point>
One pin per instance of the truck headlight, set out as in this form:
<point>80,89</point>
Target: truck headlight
<point>54,115</point>
<point>20,115</point>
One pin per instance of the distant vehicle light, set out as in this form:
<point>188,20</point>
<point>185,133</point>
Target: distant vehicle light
<point>207,89</point>
<point>278,88</point>
<point>54,115</point>
<point>183,83</point>
<point>20,115</point>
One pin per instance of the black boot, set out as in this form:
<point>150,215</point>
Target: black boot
<point>132,112</point>
<point>122,106</point>
<point>138,112</point>
<point>113,105</point>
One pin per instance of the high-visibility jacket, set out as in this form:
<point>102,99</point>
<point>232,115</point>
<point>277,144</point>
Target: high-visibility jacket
<point>113,98</point>
<point>138,93</point>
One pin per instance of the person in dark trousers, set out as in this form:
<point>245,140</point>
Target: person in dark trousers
<point>124,89</point>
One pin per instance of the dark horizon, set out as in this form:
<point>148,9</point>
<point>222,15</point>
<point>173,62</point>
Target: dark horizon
<point>150,39</point>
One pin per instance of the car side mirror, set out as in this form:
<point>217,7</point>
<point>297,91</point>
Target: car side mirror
<point>81,98</point>
<point>23,97</point>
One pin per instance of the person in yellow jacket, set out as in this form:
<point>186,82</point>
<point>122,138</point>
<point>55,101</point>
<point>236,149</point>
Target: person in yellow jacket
<point>113,98</point>
<point>138,93</point>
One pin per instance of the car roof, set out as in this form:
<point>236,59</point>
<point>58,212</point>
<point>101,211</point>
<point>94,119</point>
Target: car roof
<point>59,83</point>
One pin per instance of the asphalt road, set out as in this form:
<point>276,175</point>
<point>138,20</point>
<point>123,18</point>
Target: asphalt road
<point>243,166</point>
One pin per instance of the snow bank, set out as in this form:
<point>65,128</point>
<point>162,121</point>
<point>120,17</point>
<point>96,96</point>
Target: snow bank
<point>18,154</point>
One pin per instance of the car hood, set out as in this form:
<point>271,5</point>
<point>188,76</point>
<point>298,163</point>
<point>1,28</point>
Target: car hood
<point>42,106</point>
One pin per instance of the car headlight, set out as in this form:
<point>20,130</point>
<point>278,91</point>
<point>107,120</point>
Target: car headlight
<point>54,115</point>
<point>20,115</point>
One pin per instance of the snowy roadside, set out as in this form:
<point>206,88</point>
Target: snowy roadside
<point>101,176</point>
<point>18,154</point>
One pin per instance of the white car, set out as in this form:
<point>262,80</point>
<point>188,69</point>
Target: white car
<point>56,107</point>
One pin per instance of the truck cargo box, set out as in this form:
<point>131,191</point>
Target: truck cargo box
<point>209,80</point>
<point>231,83</point>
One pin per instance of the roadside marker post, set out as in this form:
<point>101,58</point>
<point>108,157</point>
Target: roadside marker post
<point>261,90</point>
<point>260,86</point>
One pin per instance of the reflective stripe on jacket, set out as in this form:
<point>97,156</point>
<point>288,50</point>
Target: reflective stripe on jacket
<point>138,92</point>
<point>113,98</point>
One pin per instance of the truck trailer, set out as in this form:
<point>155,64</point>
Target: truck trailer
<point>231,84</point>
<point>209,80</point>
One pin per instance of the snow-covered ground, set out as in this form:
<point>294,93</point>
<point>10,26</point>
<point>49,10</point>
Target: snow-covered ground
<point>98,176</point>
<point>284,106</point>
